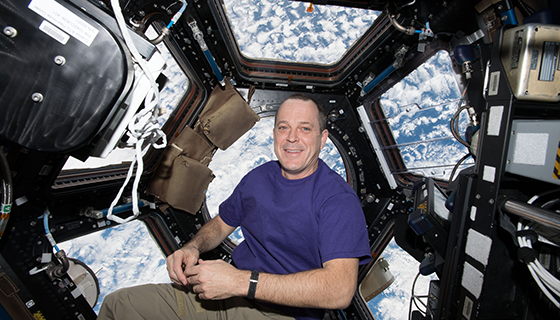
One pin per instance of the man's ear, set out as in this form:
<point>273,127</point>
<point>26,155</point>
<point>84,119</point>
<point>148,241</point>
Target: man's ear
<point>324,136</point>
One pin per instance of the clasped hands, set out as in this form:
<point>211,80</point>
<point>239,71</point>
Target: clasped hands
<point>211,279</point>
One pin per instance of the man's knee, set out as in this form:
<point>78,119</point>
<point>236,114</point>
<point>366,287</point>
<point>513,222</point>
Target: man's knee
<point>127,302</point>
<point>109,307</point>
<point>110,298</point>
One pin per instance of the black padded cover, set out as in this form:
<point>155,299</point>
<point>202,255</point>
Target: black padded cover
<point>77,96</point>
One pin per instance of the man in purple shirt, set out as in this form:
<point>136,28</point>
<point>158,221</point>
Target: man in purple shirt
<point>305,236</point>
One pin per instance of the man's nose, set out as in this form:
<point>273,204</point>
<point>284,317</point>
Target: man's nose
<point>292,136</point>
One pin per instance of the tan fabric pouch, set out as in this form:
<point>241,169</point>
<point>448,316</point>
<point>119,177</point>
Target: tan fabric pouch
<point>226,116</point>
<point>189,181</point>
<point>183,175</point>
<point>194,145</point>
<point>181,182</point>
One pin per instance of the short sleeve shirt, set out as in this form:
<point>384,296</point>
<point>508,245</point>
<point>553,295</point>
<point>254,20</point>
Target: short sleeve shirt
<point>295,225</point>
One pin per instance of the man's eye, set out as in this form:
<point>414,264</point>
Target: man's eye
<point>305,129</point>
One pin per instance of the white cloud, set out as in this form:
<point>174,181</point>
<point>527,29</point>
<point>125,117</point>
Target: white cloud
<point>419,108</point>
<point>325,24</point>
<point>393,303</point>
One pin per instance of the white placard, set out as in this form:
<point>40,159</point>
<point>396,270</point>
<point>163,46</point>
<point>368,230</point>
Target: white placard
<point>54,32</point>
<point>494,83</point>
<point>473,213</point>
<point>530,148</point>
<point>478,246</point>
<point>65,19</point>
<point>472,280</point>
<point>489,174</point>
<point>495,120</point>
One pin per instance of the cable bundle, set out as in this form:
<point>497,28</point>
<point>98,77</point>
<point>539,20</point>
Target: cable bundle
<point>548,284</point>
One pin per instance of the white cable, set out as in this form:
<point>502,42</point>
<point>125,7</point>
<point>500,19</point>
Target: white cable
<point>542,277</point>
<point>543,289</point>
<point>550,281</point>
<point>143,126</point>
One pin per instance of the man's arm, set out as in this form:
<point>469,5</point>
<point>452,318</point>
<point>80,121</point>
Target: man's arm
<point>210,235</point>
<point>207,238</point>
<point>330,287</point>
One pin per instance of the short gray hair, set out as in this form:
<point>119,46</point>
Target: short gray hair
<point>321,115</point>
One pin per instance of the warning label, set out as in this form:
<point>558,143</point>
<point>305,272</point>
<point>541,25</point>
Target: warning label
<point>556,173</point>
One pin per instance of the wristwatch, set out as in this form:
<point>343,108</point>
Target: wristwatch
<point>253,284</point>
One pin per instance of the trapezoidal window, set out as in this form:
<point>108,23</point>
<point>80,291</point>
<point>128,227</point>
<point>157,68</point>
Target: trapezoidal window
<point>296,31</point>
<point>418,110</point>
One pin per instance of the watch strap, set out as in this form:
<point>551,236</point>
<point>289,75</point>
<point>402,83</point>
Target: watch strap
<point>253,284</point>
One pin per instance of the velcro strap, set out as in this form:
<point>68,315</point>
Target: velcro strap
<point>526,254</point>
<point>530,234</point>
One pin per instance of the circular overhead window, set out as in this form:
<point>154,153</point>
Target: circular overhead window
<point>254,148</point>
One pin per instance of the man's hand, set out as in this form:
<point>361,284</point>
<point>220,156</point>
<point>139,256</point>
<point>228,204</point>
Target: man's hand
<point>207,238</point>
<point>329,287</point>
<point>217,280</point>
<point>179,261</point>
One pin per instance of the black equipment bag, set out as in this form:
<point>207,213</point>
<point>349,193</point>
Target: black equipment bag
<point>62,74</point>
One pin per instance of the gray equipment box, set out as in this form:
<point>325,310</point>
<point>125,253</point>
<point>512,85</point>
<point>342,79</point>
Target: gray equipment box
<point>534,149</point>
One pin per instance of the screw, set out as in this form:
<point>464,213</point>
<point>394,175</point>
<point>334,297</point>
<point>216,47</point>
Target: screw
<point>37,97</point>
<point>59,60</point>
<point>10,32</point>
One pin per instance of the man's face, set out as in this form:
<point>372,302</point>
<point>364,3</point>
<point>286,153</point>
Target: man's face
<point>297,138</point>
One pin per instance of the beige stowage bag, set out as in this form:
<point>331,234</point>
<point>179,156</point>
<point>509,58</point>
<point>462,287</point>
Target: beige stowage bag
<point>182,175</point>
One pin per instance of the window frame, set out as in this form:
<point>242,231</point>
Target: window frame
<point>389,147</point>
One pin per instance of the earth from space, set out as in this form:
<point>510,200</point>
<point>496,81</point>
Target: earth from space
<point>114,255</point>
<point>126,255</point>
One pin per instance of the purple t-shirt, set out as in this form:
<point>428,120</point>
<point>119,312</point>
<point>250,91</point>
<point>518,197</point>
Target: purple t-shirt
<point>295,225</point>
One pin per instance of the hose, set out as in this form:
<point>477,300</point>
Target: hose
<point>7,195</point>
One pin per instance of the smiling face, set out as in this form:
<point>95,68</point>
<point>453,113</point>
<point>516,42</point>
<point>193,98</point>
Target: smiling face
<point>298,138</point>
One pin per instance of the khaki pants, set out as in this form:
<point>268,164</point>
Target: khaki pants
<point>167,301</point>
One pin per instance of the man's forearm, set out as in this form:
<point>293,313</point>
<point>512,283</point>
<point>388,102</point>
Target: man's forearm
<point>210,235</point>
<point>331,287</point>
